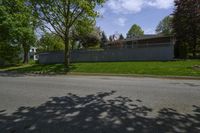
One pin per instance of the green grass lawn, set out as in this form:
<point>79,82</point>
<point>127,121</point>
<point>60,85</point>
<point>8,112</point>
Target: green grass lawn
<point>171,68</point>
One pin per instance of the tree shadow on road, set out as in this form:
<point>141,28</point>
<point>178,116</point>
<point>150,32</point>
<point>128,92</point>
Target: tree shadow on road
<point>37,69</point>
<point>95,114</point>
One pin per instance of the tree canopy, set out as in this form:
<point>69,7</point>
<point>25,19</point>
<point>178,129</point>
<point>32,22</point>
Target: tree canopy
<point>90,39</point>
<point>17,25</point>
<point>49,42</point>
<point>135,30</point>
<point>186,24</point>
<point>62,15</point>
<point>165,26</point>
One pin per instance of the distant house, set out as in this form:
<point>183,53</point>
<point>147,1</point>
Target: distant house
<point>142,41</point>
<point>32,54</point>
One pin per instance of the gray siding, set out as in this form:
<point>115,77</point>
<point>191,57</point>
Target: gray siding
<point>151,53</point>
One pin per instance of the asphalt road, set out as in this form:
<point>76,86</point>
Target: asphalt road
<point>94,104</point>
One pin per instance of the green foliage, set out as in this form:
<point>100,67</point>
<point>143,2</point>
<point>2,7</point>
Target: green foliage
<point>17,25</point>
<point>135,30</point>
<point>8,49</point>
<point>90,39</point>
<point>186,24</point>
<point>81,32</point>
<point>50,42</point>
<point>81,27</point>
<point>62,15</point>
<point>9,54</point>
<point>165,26</point>
<point>20,18</point>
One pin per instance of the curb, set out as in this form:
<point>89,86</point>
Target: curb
<point>135,75</point>
<point>4,73</point>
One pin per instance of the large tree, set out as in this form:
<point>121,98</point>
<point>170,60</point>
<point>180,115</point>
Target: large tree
<point>135,30</point>
<point>17,25</point>
<point>9,52</point>
<point>186,26</point>
<point>60,16</point>
<point>165,26</point>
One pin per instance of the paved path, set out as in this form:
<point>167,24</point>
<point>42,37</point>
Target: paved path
<point>89,104</point>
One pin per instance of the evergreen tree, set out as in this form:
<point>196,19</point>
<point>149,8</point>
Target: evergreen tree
<point>104,39</point>
<point>186,26</point>
<point>110,38</point>
<point>121,37</point>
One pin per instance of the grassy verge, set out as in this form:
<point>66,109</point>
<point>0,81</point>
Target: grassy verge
<point>36,69</point>
<point>171,68</point>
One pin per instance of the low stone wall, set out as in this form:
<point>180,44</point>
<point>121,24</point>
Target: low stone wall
<point>151,53</point>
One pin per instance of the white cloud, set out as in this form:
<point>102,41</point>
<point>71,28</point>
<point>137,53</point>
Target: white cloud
<point>134,6</point>
<point>125,6</point>
<point>121,21</point>
<point>161,4</point>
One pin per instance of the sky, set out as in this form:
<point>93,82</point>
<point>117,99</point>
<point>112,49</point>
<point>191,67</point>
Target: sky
<point>117,16</point>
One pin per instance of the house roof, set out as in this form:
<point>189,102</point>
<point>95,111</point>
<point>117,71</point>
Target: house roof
<point>144,37</point>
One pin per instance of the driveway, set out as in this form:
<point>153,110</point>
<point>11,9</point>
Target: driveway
<point>98,104</point>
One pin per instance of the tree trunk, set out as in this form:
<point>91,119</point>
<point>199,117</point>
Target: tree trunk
<point>26,58</point>
<point>26,52</point>
<point>194,52</point>
<point>194,46</point>
<point>67,51</point>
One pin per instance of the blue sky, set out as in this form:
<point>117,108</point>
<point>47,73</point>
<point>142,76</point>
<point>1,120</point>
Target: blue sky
<point>117,16</point>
